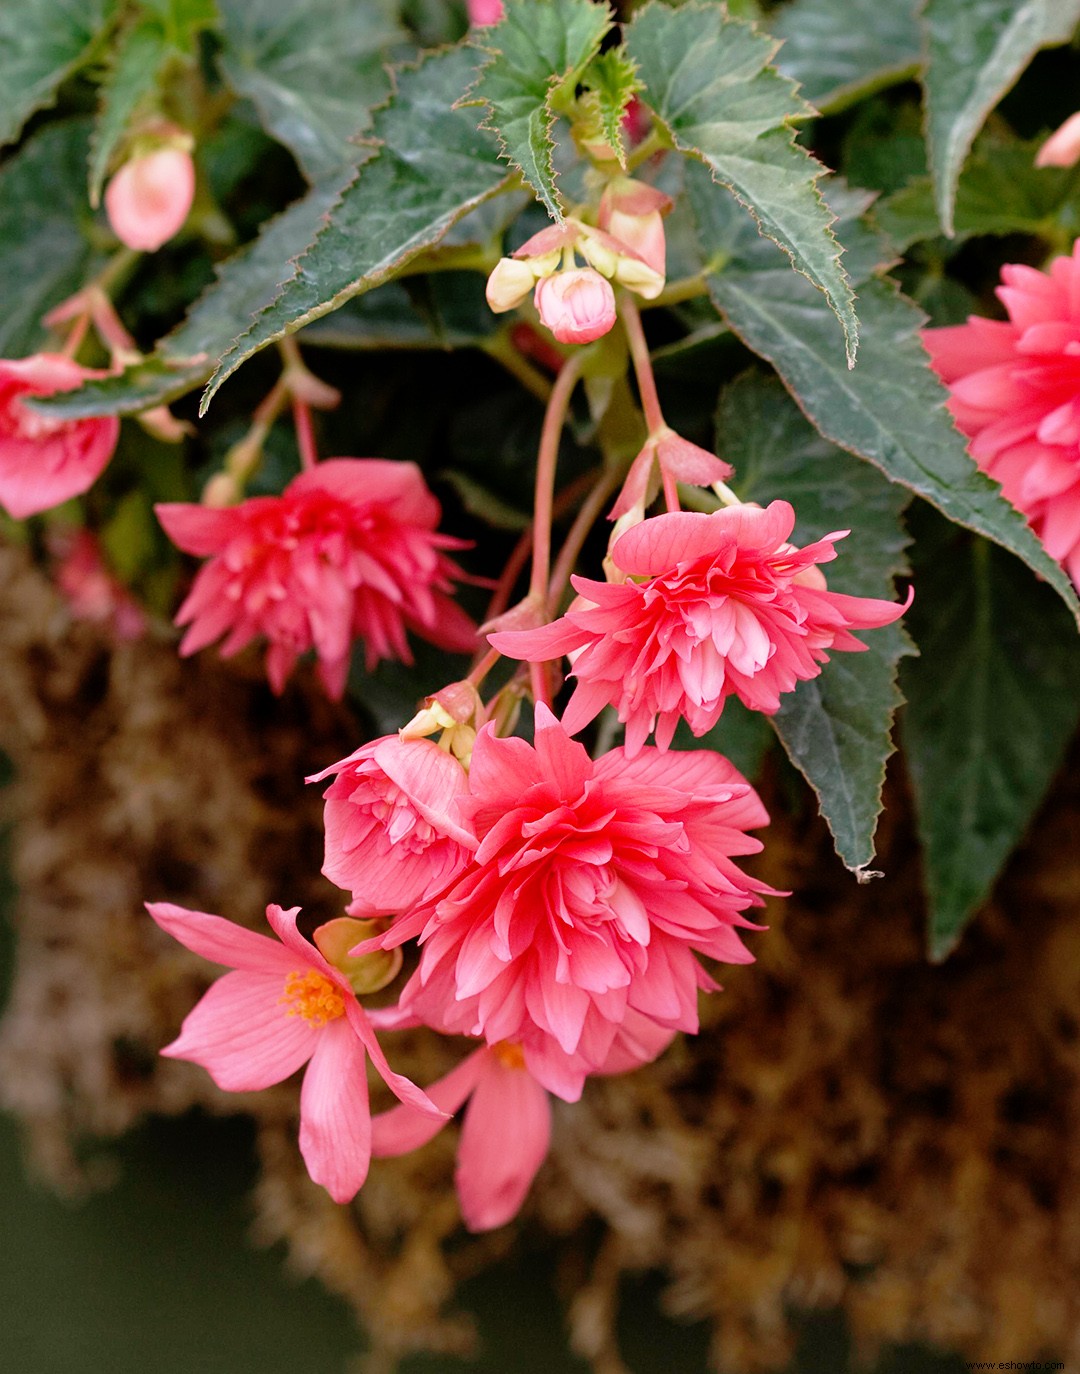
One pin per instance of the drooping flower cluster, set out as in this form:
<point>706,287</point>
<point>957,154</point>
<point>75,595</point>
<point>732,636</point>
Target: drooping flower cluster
<point>561,906</point>
<point>708,607</point>
<point>348,550</point>
<point>1015,392</point>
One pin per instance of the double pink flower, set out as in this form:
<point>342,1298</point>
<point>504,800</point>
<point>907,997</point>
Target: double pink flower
<point>348,550</point>
<point>1015,392</point>
<point>711,606</point>
<point>571,929</point>
<point>44,462</point>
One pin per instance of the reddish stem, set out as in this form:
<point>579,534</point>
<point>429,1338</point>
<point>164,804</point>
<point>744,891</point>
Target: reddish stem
<point>546,460</point>
<point>305,434</point>
<point>639,356</point>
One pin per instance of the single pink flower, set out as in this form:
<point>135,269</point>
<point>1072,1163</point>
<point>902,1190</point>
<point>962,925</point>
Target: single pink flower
<point>592,887</point>
<point>282,1006</point>
<point>150,197</point>
<point>712,606</point>
<point>578,305</point>
<point>347,550</point>
<point>91,590</point>
<point>1062,148</point>
<point>504,1136</point>
<point>44,462</point>
<point>484,12</point>
<point>1015,388</point>
<point>392,836</point>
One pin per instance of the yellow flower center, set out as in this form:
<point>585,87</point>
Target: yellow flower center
<point>313,996</point>
<point>509,1054</point>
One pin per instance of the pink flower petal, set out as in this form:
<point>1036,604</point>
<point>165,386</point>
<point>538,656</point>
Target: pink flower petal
<point>402,1130</point>
<point>222,941</point>
<point>504,1140</point>
<point>242,1035</point>
<point>335,1122</point>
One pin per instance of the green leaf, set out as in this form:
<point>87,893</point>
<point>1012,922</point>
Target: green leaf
<point>836,728</point>
<point>891,408</point>
<point>185,358</point>
<point>707,80</point>
<point>443,311</point>
<point>313,69</point>
<point>183,20</point>
<point>1001,191</point>
<point>975,50</point>
<point>993,703</point>
<point>45,254</point>
<point>433,167</point>
<point>131,79</point>
<point>538,51</point>
<point>611,82</point>
<point>842,50</point>
<point>41,43</point>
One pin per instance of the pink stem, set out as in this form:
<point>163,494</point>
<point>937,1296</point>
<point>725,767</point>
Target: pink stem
<point>305,435</point>
<point>546,460</point>
<point>639,356</point>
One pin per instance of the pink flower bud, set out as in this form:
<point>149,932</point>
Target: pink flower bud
<point>510,282</point>
<point>1062,148</point>
<point>149,198</point>
<point>578,306</point>
<point>633,213</point>
<point>484,12</point>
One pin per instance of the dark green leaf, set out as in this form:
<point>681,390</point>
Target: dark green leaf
<point>313,69</point>
<point>185,358</point>
<point>836,728</point>
<point>891,408</point>
<point>1001,191</point>
<point>975,50</point>
<point>45,254</point>
<point>993,703</point>
<point>538,50</point>
<point>42,42</point>
<point>433,167</point>
<point>131,79</point>
<point>445,310</point>
<point>707,80</point>
<point>842,50</point>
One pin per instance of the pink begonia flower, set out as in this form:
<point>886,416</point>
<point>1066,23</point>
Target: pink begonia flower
<point>713,606</point>
<point>578,305</point>
<point>282,1006</point>
<point>1015,388</point>
<point>484,12</point>
<point>392,837</point>
<point>1062,148</point>
<point>150,197</point>
<point>45,461</point>
<point>507,1125</point>
<point>578,915</point>
<point>504,1136</point>
<point>90,589</point>
<point>347,550</point>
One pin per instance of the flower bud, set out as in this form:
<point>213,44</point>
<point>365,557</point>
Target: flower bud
<point>510,282</point>
<point>149,198</point>
<point>633,213</point>
<point>484,12</point>
<point>1062,148</point>
<point>578,306</point>
<point>366,973</point>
